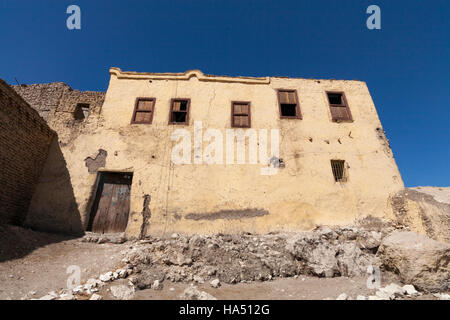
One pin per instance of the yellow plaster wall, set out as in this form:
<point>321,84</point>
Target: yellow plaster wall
<point>298,197</point>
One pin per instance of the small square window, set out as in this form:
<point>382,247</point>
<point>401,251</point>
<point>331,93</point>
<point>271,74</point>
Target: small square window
<point>179,111</point>
<point>288,104</point>
<point>338,107</point>
<point>81,111</point>
<point>240,114</point>
<point>143,111</point>
<point>339,172</point>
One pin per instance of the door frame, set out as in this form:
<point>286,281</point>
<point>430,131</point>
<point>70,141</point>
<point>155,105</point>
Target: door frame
<point>97,193</point>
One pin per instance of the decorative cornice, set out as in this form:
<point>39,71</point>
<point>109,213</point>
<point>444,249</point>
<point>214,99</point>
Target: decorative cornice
<point>185,76</point>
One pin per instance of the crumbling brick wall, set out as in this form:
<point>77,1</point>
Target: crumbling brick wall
<point>53,206</point>
<point>43,97</point>
<point>57,103</point>
<point>24,143</point>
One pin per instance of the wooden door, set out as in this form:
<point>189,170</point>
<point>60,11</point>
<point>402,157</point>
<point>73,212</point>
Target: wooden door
<point>113,203</point>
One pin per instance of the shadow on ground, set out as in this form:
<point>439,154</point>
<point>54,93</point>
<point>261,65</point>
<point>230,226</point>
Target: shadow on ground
<point>17,242</point>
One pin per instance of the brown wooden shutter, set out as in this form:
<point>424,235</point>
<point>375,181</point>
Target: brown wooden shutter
<point>244,121</point>
<point>176,106</point>
<point>179,107</point>
<point>143,117</point>
<point>143,112</point>
<point>287,97</point>
<point>291,97</point>
<point>145,105</point>
<point>240,113</point>
<point>284,97</point>
<point>241,121</point>
<point>341,111</point>
<point>237,121</point>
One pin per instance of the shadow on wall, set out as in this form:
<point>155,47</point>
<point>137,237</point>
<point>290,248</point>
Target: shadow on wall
<point>53,207</point>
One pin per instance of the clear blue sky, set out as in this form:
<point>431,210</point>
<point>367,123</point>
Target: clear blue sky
<point>406,64</point>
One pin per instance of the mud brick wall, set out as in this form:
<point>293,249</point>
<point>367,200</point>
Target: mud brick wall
<point>56,102</point>
<point>24,143</point>
<point>44,98</point>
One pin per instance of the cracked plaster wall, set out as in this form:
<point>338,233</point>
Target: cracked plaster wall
<point>298,197</point>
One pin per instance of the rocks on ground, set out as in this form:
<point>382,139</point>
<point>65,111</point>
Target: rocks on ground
<point>96,297</point>
<point>324,252</point>
<point>122,292</point>
<point>215,283</point>
<point>390,292</point>
<point>193,293</point>
<point>115,238</point>
<point>418,260</point>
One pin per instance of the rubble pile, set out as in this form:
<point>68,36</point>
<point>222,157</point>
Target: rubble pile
<point>420,262</point>
<point>323,252</point>
<point>389,292</point>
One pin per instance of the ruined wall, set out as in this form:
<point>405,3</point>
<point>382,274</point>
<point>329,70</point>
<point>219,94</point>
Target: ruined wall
<point>53,206</point>
<point>44,98</point>
<point>24,143</point>
<point>202,198</point>
<point>57,103</point>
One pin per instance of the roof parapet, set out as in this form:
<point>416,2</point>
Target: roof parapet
<point>185,76</point>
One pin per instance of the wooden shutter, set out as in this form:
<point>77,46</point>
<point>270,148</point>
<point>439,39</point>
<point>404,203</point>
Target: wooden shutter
<point>145,105</point>
<point>240,112</point>
<point>287,101</point>
<point>176,107</point>
<point>144,117</point>
<point>241,121</point>
<point>339,112</point>
<point>241,109</point>
<point>287,97</point>
<point>179,106</point>
<point>143,111</point>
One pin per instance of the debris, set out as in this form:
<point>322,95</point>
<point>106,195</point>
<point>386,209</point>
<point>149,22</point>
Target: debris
<point>50,296</point>
<point>390,292</point>
<point>417,259</point>
<point>342,296</point>
<point>67,296</point>
<point>157,285</point>
<point>215,283</point>
<point>193,293</point>
<point>410,290</point>
<point>442,296</point>
<point>122,292</point>
<point>96,297</point>
<point>106,277</point>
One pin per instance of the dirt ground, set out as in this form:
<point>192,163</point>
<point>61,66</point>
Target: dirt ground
<point>301,288</point>
<point>38,262</point>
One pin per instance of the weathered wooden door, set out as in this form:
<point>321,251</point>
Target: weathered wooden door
<point>113,203</point>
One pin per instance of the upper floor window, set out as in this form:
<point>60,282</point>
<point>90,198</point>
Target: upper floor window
<point>179,111</point>
<point>240,114</point>
<point>288,104</point>
<point>339,107</point>
<point>143,111</point>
